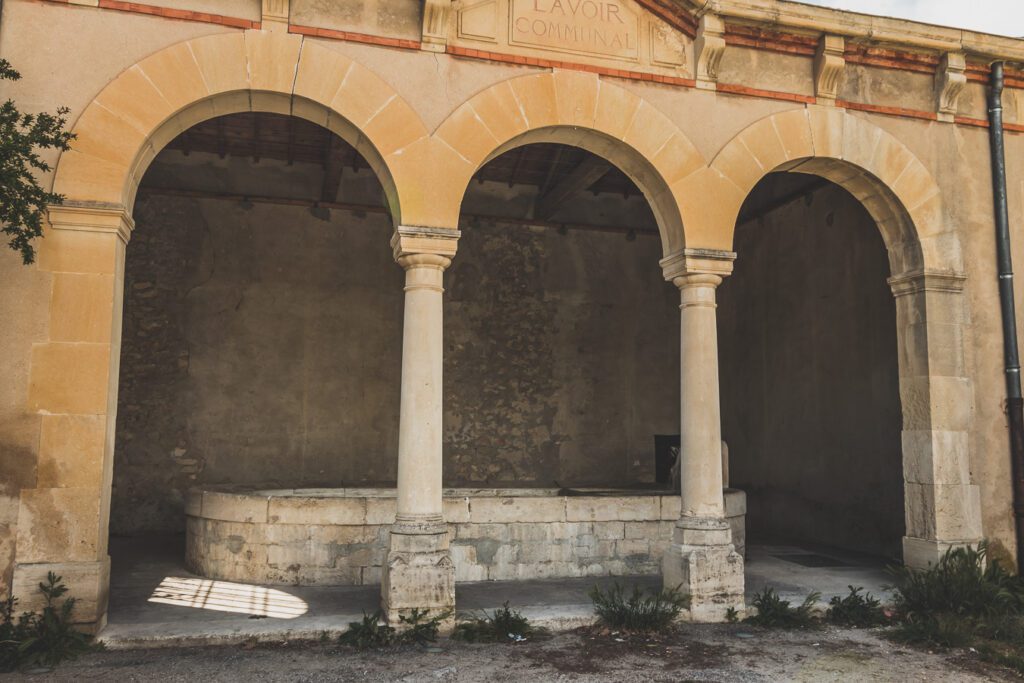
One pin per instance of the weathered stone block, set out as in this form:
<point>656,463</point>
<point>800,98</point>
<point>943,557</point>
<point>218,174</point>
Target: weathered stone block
<point>71,451</point>
<point>87,582</point>
<point>586,509</point>
<point>330,576</point>
<point>537,531</point>
<point>497,532</point>
<point>59,525</point>
<point>526,509</point>
<point>609,530</point>
<point>735,503</point>
<point>641,530</point>
<point>625,548</point>
<point>381,510</point>
<point>193,504</point>
<point>327,510</point>
<point>284,534</point>
<point>371,576</point>
<point>69,378</point>
<point>417,581</point>
<point>234,507</point>
<point>456,510</point>
<point>936,456</point>
<point>711,575</point>
<point>671,507</point>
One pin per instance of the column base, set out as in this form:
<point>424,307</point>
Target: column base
<point>418,574</point>
<point>88,583</point>
<point>702,563</point>
<point>920,553</point>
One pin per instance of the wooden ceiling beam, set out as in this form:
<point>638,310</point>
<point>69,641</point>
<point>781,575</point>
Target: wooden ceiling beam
<point>581,178</point>
<point>334,166</point>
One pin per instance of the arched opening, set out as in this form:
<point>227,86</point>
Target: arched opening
<point>261,346</point>
<point>561,364</point>
<point>810,375</point>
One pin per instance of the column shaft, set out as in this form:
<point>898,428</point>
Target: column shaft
<point>700,450</point>
<point>419,438</point>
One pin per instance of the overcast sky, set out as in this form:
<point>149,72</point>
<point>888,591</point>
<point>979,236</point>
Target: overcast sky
<point>1004,17</point>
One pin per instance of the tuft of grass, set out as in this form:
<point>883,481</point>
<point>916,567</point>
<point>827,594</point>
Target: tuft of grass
<point>638,612</point>
<point>370,633</point>
<point>774,612</point>
<point>938,630</point>
<point>44,639</point>
<point>856,610</point>
<point>504,625</point>
<point>420,627</point>
<point>1001,655</point>
<point>374,633</point>
<point>964,582</point>
<point>965,600</point>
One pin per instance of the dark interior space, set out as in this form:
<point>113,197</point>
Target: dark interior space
<point>809,376</point>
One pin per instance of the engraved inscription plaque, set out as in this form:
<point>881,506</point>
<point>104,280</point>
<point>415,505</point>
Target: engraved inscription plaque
<point>607,28</point>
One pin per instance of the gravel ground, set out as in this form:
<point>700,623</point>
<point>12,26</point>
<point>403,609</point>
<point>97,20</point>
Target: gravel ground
<point>694,653</point>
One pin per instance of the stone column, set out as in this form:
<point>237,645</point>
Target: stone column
<point>702,561</point>
<point>419,573</point>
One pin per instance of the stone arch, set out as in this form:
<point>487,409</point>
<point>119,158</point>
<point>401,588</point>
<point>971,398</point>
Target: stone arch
<point>150,103</point>
<point>571,108</point>
<point>73,377</point>
<point>876,168</point>
<point>942,504</point>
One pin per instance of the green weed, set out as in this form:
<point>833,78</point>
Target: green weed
<point>774,612</point>
<point>374,633</point>
<point>44,639</point>
<point>504,625</point>
<point>857,610</point>
<point>638,612</point>
<point>965,600</point>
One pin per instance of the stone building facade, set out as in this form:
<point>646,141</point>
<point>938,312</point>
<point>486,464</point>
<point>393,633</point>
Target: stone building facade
<point>197,320</point>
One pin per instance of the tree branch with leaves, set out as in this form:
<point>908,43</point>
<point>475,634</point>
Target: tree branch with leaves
<point>23,201</point>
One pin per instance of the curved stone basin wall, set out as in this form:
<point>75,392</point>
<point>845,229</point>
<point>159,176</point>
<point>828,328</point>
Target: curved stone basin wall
<point>340,536</point>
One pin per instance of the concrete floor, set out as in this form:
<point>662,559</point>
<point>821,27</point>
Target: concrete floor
<point>154,601</point>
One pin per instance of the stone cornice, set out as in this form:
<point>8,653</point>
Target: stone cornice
<point>780,14</point>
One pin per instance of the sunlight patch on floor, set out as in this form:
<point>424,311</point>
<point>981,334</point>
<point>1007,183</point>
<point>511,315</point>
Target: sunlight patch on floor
<point>223,596</point>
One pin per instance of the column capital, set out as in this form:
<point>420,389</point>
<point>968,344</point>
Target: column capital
<point>409,241</point>
<point>110,219</point>
<point>688,264</point>
<point>925,280</point>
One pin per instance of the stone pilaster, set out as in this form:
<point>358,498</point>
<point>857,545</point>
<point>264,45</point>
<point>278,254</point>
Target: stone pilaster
<point>702,560</point>
<point>943,505</point>
<point>63,522</point>
<point>419,572</point>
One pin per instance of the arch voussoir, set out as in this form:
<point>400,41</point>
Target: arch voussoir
<point>572,108</point>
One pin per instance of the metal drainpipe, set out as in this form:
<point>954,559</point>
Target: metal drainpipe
<point>1011,356</point>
